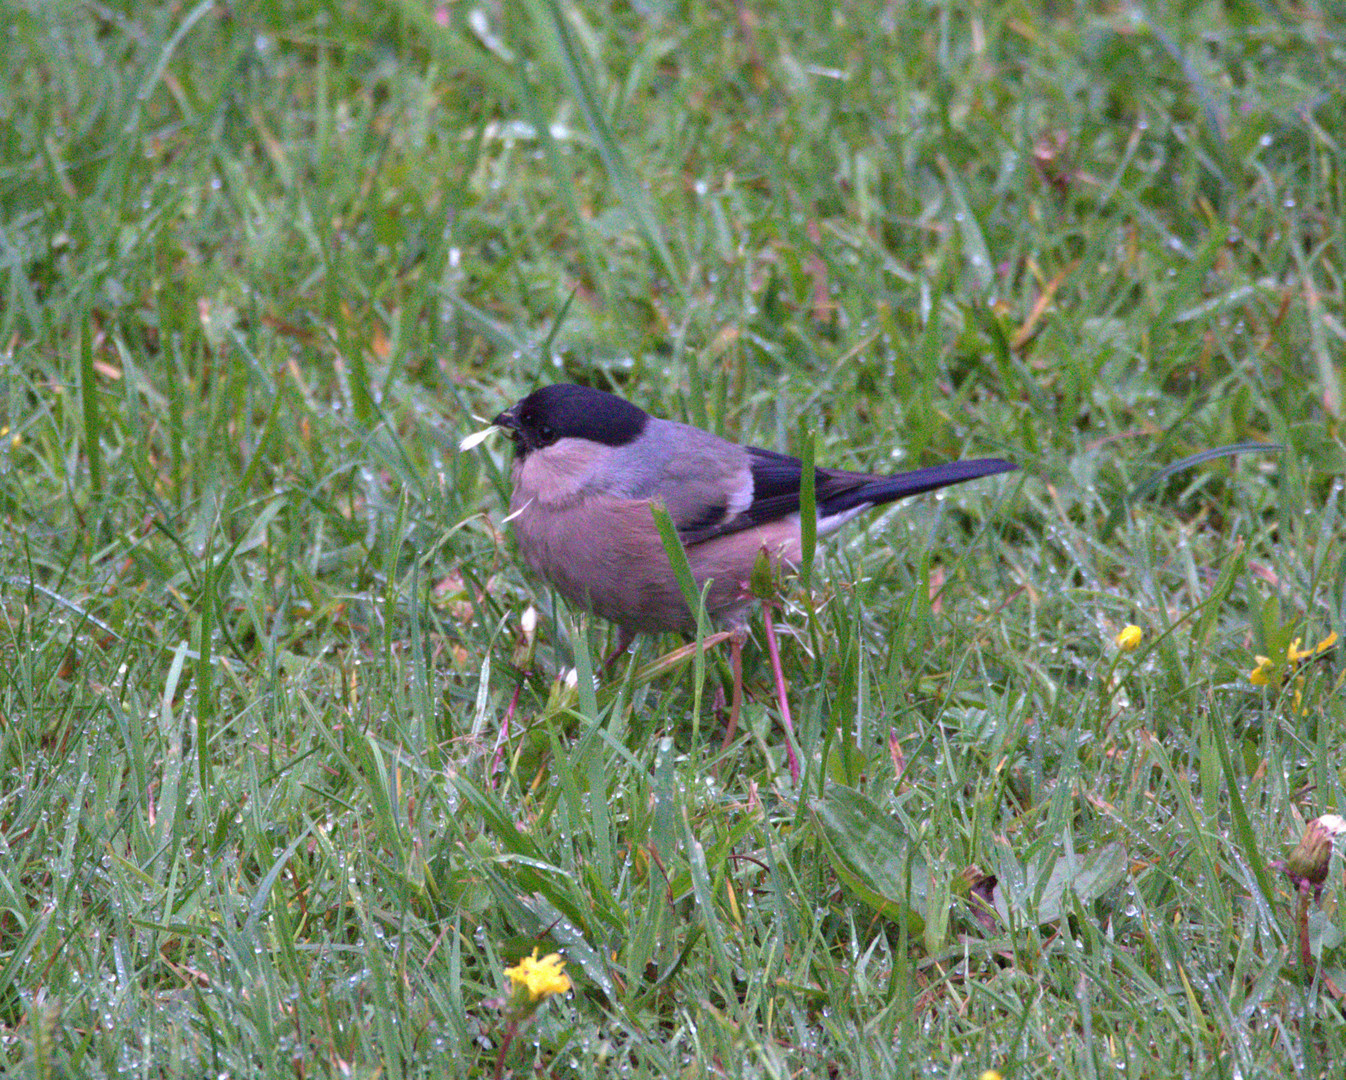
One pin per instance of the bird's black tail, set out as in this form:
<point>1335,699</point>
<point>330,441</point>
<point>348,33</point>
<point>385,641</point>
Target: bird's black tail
<point>885,489</point>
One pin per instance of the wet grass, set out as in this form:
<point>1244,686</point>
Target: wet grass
<point>262,264</point>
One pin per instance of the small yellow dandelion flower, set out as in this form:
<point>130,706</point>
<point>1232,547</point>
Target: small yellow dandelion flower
<point>1129,639</point>
<point>1261,674</point>
<point>539,978</point>
<point>992,1074</point>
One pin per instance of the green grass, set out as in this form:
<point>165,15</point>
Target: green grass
<point>260,266</point>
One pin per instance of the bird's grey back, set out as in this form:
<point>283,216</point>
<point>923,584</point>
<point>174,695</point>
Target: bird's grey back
<point>700,477</point>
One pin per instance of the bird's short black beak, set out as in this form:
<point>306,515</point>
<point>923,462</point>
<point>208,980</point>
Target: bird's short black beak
<point>509,421</point>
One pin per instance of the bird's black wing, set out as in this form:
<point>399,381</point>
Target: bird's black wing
<point>775,493</point>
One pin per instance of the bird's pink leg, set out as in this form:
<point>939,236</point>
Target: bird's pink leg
<point>737,636</point>
<point>624,640</point>
<point>782,698</point>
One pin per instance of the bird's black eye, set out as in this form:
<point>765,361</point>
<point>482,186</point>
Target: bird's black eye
<point>546,434</point>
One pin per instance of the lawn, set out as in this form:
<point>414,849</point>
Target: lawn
<point>293,762</point>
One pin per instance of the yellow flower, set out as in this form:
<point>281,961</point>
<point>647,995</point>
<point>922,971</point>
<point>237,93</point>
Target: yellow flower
<point>1295,654</point>
<point>1268,671</point>
<point>539,978</point>
<point>991,1074</point>
<point>1261,674</point>
<point>1129,639</point>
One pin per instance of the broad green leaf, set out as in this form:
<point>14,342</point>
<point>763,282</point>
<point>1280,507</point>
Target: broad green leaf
<point>871,854</point>
<point>1087,876</point>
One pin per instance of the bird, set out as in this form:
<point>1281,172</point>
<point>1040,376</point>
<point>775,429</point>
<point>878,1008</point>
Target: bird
<point>589,465</point>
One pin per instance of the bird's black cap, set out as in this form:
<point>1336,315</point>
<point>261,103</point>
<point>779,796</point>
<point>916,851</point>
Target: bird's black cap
<point>566,411</point>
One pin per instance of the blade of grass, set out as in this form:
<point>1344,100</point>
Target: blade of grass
<point>88,391</point>
<point>550,19</point>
